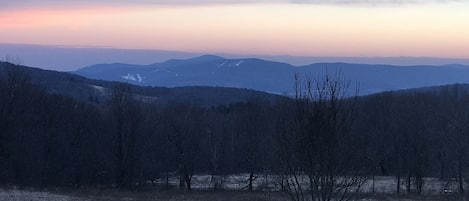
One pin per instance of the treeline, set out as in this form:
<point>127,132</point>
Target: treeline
<point>51,140</point>
<point>415,134</point>
<point>333,139</point>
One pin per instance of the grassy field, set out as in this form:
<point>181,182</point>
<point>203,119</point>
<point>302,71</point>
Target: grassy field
<point>384,189</point>
<point>380,184</point>
<point>114,195</point>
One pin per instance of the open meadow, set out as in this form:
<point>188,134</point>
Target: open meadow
<point>233,190</point>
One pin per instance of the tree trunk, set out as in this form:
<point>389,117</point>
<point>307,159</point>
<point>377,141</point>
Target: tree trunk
<point>188,183</point>
<point>398,189</point>
<point>460,177</point>
<point>251,178</point>
<point>181,180</point>
<point>167,177</point>
<point>408,186</point>
<point>442,169</point>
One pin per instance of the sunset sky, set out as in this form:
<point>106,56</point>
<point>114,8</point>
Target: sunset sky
<point>364,28</point>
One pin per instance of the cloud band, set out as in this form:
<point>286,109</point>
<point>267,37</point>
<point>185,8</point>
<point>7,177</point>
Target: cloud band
<point>52,3</point>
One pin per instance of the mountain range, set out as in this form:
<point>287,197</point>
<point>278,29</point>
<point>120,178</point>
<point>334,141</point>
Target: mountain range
<point>274,77</point>
<point>68,58</point>
<point>99,92</point>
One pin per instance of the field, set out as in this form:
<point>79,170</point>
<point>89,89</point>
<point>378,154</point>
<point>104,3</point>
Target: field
<point>113,195</point>
<point>384,189</point>
<point>380,184</point>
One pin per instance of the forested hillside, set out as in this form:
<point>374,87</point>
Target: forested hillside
<point>274,77</point>
<point>53,139</point>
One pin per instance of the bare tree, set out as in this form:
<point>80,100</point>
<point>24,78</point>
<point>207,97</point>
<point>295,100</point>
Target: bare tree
<point>458,132</point>
<point>251,128</point>
<point>127,117</point>
<point>217,133</point>
<point>320,153</point>
<point>185,133</point>
<point>376,114</point>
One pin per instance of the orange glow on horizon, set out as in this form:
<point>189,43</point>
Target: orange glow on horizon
<point>310,30</point>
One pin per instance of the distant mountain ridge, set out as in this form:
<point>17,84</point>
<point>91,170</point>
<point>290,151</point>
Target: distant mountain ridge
<point>100,91</point>
<point>274,77</point>
<point>70,58</point>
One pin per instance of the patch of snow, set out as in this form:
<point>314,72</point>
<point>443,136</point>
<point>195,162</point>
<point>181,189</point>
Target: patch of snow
<point>220,65</point>
<point>236,63</point>
<point>239,63</point>
<point>139,78</point>
<point>381,184</point>
<point>15,195</point>
<point>99,90</point>
<point>132,77</point>
<point>129,77</point>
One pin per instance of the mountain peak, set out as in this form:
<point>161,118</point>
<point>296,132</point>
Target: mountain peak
<point>206,58</point>
<point>275,77</point>
<point>199,59</point>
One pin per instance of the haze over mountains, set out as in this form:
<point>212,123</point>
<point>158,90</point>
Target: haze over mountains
<point>265,73</point>
<point>68,58</point>
<point>274,77</point>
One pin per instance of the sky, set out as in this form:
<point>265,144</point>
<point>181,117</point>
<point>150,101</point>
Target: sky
<point>345,28</point>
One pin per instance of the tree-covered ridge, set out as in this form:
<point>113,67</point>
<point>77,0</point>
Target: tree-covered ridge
<point>124,141</point>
